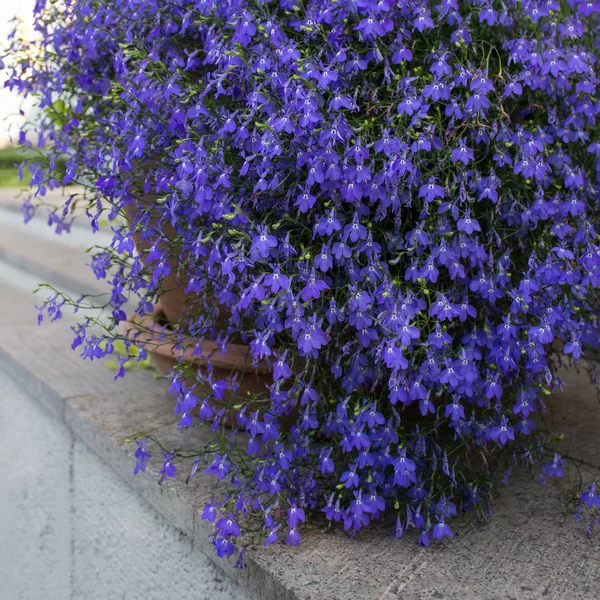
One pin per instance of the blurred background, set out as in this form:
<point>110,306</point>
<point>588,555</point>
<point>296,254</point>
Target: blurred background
<point>13,110</point>
<point>33,253</point>
<point>10,103</point>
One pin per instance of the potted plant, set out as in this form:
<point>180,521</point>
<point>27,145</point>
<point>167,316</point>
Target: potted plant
<point>393,203</point>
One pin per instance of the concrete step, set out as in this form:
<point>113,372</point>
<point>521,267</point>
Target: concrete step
<point>48,260</point>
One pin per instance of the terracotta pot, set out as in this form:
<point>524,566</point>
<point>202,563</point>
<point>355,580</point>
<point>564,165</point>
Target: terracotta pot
<point>157,330</point>
<point>173,300</point>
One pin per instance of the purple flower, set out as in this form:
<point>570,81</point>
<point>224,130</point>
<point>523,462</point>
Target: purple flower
<point>468,225</point>
<point>477,102</point>
<point>409,105</point>
<point>590,498</point>
<point>263,242</point>
<point>462,153</point>
<point>142,456</point>
<point>294,538</point>
<point>219,467</point>
<point>397,227</point>
<point>245,29</point>
<point>277,281</point>
<point>424,539</point>
<point>350,478</point>
<point>441,529</point>
<point>573,347</point>
<point>168,468</point>
<point>294,516</point>
<point>272,537</point>
<point>224,547</point>
<point>228,527</point>
<point>554,469</point>
<point>431,190</point>
<point>503,432</point>
<point>209,514</point>
<point>313,287</point>
<point>423,21</point>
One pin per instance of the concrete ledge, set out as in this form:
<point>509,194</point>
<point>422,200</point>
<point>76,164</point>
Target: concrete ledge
<point>525,552</point>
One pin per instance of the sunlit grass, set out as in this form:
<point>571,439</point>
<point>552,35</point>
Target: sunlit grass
<point>9,177</point>
<point>10,159</point>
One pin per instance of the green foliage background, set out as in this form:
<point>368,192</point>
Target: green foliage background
<point>10,159</point>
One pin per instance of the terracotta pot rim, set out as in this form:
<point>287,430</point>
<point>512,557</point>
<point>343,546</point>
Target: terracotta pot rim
<point>161,341</point>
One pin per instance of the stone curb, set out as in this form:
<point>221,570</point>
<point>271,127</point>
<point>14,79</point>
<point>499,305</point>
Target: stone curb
<point>96,418</point>
<point>58,279</point>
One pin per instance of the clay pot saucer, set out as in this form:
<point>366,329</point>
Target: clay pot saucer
<point>161,342</point>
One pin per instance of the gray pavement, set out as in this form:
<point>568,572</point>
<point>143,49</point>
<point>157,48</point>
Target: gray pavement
<point>72,529</point>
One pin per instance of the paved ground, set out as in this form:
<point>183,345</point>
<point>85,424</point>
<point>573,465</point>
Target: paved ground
<point>69,526</point>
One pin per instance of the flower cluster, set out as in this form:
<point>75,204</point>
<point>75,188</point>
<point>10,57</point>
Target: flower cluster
<point>395,201</point>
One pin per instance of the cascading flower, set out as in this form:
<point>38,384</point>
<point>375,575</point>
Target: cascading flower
<point>396,203</point>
